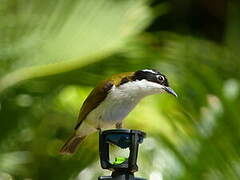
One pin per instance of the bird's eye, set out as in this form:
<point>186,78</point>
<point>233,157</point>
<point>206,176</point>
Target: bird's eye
<point>160,78</point>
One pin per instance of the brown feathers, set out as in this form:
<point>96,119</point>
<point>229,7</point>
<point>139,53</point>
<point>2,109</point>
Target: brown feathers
<point>71,145</point>
<point>99,93</point>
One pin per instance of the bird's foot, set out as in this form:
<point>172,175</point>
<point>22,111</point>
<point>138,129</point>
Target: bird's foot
<point>100,130</point>
<point>118,125</point>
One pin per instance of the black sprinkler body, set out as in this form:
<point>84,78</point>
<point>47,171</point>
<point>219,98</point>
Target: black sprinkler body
<point>123,168</point>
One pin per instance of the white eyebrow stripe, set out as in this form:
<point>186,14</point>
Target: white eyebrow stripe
<point>149,70</point>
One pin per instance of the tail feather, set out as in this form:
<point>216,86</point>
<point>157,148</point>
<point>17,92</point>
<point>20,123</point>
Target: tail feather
<point>71,145</point>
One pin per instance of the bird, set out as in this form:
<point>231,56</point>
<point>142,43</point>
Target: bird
<point>112,100</point>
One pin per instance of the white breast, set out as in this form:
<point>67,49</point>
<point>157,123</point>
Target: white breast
<point>113,109</point>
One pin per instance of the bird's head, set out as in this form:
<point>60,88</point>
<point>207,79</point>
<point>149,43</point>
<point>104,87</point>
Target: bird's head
<point>149,81</point>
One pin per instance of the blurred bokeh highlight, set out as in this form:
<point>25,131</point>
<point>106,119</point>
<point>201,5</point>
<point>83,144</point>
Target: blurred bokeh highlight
<point>52,53</point>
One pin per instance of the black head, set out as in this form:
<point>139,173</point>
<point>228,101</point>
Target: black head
<point>151,75</point>
<point>154,76</point>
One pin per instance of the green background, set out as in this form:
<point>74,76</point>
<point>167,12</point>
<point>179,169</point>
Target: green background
<point>52,53</point>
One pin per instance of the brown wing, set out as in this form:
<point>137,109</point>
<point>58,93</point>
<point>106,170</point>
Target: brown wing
<point>98,94</point>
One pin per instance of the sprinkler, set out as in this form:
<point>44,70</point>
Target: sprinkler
<point>123,168</point>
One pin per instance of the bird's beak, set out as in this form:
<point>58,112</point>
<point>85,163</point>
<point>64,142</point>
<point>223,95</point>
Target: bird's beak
<point>171,91</point>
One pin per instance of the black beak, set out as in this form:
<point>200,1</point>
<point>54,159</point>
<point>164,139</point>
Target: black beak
<point>171,91</point>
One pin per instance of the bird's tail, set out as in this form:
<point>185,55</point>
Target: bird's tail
<point>71,145</point>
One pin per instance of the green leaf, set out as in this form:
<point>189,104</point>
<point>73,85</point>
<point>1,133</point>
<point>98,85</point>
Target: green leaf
<point>40,39</point>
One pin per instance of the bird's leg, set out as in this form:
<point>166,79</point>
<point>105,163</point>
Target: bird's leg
<point>100,130</point>
<point>118,125</point>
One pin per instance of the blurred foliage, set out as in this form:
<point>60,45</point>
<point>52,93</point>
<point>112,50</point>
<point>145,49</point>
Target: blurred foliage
<point>52,53</point>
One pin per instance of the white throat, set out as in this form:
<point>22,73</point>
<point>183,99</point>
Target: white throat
<point>138,89</point>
